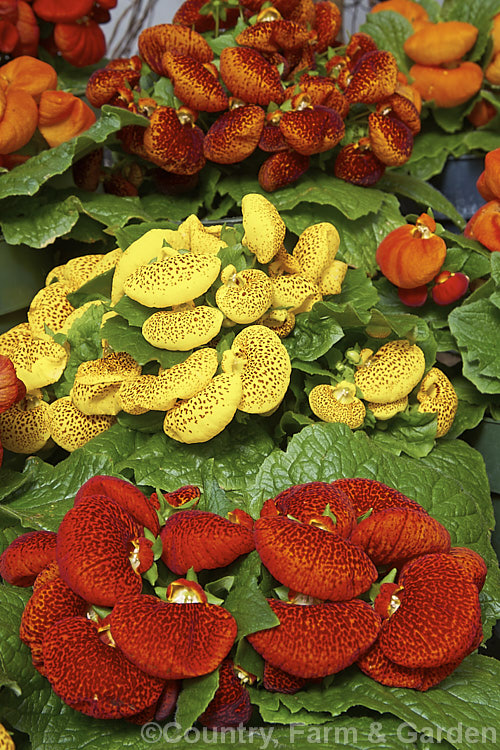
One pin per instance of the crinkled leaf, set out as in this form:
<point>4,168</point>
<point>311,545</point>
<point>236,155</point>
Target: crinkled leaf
<point>214,499</point>
<point>475,327</point>
<point>194,697</point>
<point>315,332</point>
<point>84,338</point>
<point>123,337</point>
<point>408,432</point>
<point>390,30</point>
<point>314,188</point>
<point>133,311</point>
<point>165,463</point>
<point>468,698</point>
<point>245,601</point>
<point>97,288</point>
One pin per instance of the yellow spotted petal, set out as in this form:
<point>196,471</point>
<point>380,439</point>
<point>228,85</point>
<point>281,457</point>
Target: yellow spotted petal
<point>264,227</point>
<point>182,330</point>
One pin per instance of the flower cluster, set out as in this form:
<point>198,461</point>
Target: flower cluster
<point>114,645</point>
<point>384,379</point>
<point>445,70</point>
<point>412,256</point>
<point>484,226</point>
<point>286,90</point>
<point>30,101</point>
<point>72,30</point>
<point>189,296</point>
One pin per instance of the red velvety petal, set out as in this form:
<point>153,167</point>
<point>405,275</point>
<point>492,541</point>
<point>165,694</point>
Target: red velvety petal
<point>194,85</point>
<point>203,541</point>
<point>125,494</point>
<point>484,225</point>
<point>311,560</point>
<point>50,603</point>
<point>451,289</point>
<point>358,164</point>
<point>104,83</point>
<point>472,563</point>
<point>57,12</point>
<point>9,36</point>
<point>312,130</point>
<point>249,76</point>
<point>323,90</point>
<point>49,573</point>
<point>230,706</point>
<point>80,44</point>
<point>390,139</point>
<point>369,493</point>
<point>374,77</point>
<point>272,36</point>
<point>234,135</point>
<point>309,500</point>
<point>394,535</point>
<point>94,544</point>
<point>278,681</point>
<point>271,139</point>
<point>437,620</point>
<point>92,677</point>
<point>317,640</point>
<point>376,665</point>
<point>178,497</point>
<point>403,109</point>
<point>11,388</point>
<point>172,145</point>
<point>26,556</point>
<point>169,640</point>
<point>281,169</point>
<point>154,41</point>
<point>327,23</point>
<point>189,15</point>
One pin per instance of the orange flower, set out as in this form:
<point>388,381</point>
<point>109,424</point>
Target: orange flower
<point>57,12</point>
<point>415,14</point>
<point>29,74</point>
<point>18,119</point>
<point>492,173</point>
<point>482,112</point>
<point>439,43</point>
<point>448,87</point>
<point>28,30</point>
<point>484,226</point>
<point>80,43</point>
<point>63,116</point>
<point>492,72</point>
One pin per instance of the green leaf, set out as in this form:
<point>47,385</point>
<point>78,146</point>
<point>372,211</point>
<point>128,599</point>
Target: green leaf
<point>314,188</point>
<point>475,327</point>
<point>97,288</point>
<point>422,193</point>
<point>214,499</point>
<point>27,178</point>
<point>408,432</point>
<point>29,268</point>
<point>194,697</point>
<point>123,337</point>
<point>390,30</point>
<point>245,601</point>
<point>479,13</point>
<point>84,338</point>
<point>164,463</point>
<point>468,699</point>
<point>315,332</point>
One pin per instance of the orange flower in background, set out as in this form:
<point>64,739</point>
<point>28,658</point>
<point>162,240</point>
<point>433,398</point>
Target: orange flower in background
<point>60,12</point>
<point>484,226</point>
<point>18,119</point>
<point>28,30</point>
<point>447,87</point>
<point>438,43</point>
<point>414,12</point>
<point>81,43</point>
<point>29,74</point>
<point>63,116</point>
